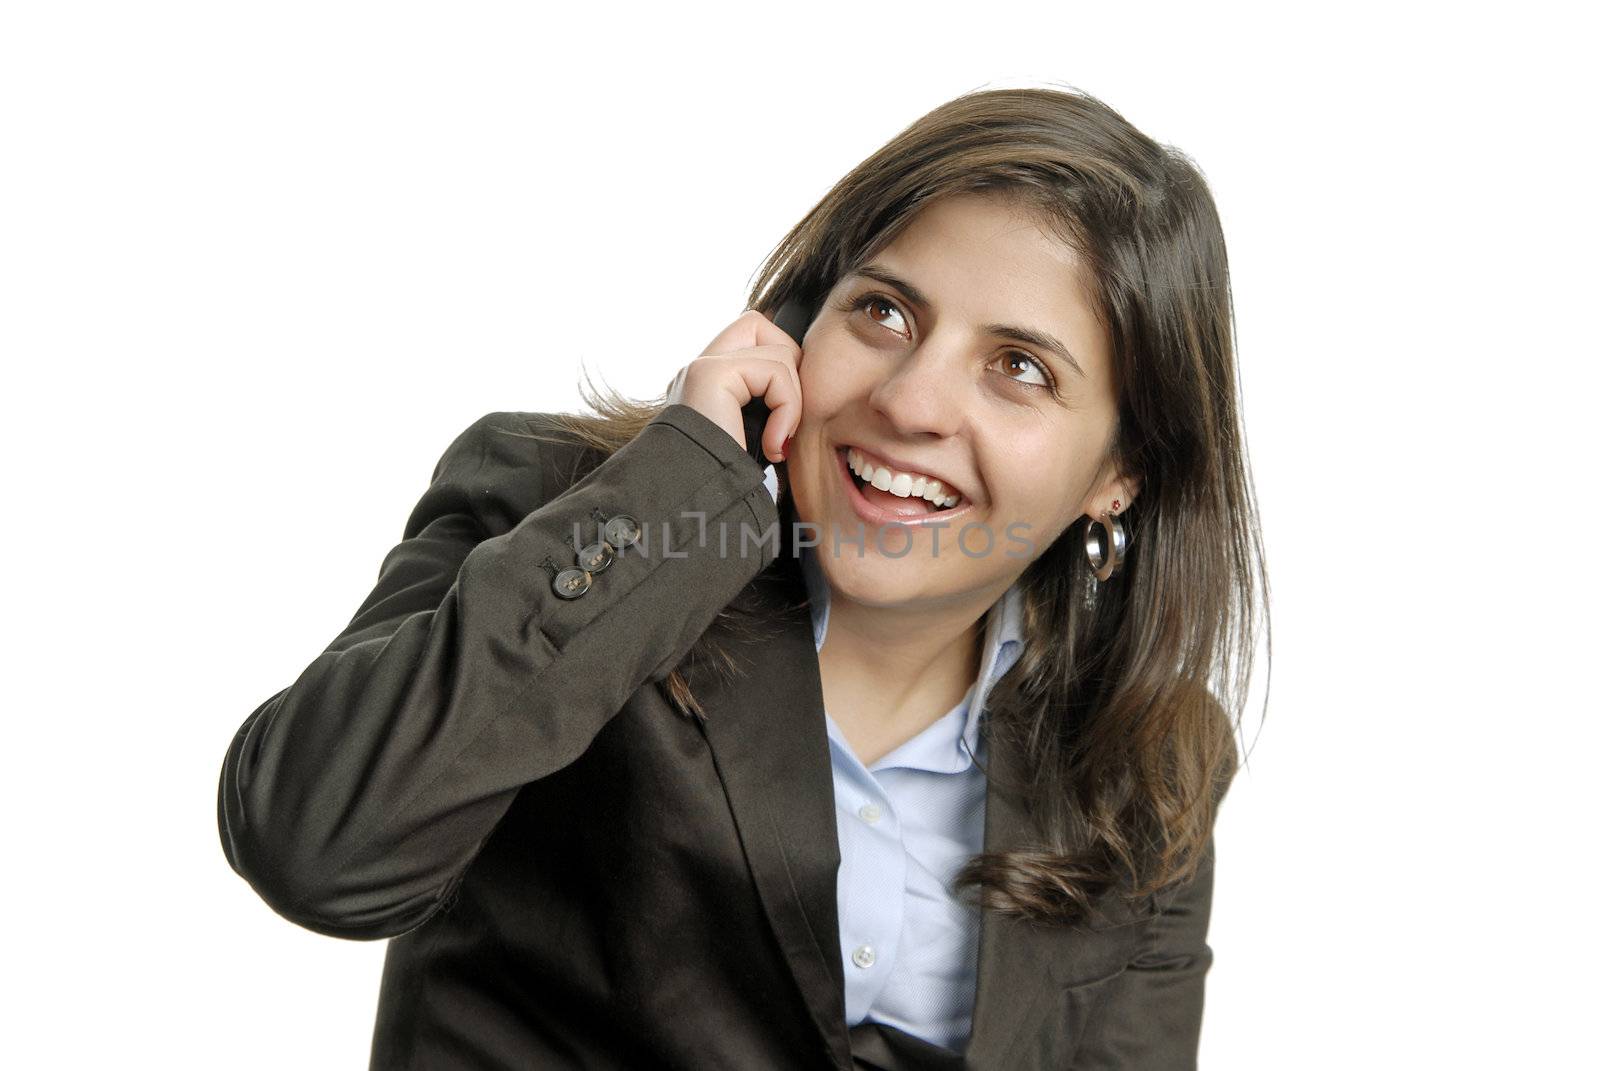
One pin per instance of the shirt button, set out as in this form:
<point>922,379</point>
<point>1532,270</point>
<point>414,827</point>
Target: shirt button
<point>870,813</point>
<point>864,956</point>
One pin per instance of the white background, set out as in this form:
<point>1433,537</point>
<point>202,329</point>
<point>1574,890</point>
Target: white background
<point>261,263</point>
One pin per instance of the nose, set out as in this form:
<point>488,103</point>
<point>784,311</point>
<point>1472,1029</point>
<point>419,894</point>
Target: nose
<point>922,395</point>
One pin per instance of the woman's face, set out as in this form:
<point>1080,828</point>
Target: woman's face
<point>910,360</point>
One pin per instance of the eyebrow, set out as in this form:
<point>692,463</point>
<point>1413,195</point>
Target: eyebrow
<point>1026,335</point>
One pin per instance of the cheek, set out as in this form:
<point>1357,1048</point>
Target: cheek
<point>828,381</point>
<point>1045,496</point>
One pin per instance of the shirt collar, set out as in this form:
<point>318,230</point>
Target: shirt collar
<point>949,744</point>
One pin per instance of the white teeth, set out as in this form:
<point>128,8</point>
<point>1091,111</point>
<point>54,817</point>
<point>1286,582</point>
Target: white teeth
<point>901,484</point>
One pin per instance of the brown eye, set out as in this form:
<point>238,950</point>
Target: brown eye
<point>874,303</point>
<point>1033,366</point>
<point>877,302</point>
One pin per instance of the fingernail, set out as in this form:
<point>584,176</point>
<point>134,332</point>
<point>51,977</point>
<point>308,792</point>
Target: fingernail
<point>784,453</point>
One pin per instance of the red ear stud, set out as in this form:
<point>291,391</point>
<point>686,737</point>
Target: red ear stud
<point>1116,504</point>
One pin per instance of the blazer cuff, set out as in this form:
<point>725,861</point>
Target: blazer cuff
<point>706,526</point>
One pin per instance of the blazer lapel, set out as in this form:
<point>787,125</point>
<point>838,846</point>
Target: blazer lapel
<point>769,743</point>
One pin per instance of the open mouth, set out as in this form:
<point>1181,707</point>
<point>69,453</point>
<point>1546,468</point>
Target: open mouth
<point>919,497</point>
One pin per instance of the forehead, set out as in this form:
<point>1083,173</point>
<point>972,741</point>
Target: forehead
<point>994,240</point>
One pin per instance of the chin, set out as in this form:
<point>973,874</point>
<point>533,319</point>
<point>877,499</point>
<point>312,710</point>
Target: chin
<point>872,579</point>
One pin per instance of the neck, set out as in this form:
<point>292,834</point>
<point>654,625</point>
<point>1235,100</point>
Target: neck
<point>891,667</point>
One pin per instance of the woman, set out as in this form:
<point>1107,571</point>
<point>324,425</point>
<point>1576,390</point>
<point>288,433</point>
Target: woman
<point>911,760</point>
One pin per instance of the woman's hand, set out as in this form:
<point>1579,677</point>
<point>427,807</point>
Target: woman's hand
<point>751,358</point>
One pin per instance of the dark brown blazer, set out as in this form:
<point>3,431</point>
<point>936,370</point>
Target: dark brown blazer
<point>572,873</point>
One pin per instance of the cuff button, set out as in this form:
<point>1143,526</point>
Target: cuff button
<point>621,531</point>
<point>595,557</point>
<point>570,583</point>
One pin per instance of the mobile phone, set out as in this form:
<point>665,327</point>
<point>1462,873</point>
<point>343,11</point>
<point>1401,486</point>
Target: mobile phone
<point>794,316</point>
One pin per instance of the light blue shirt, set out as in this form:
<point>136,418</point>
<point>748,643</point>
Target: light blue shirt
<point>906,824</point>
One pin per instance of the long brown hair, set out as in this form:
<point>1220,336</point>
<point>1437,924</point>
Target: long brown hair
<point>1128,692</point>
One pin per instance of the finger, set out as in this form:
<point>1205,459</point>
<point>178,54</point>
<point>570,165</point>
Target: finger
<point>778,385</point>
<point>739,335</point>
<point>782,352</point>
<point>790,417</point>
<point>769,333</point>
<point>751,330</point>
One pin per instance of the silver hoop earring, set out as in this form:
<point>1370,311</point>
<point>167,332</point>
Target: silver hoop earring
<point>1104,564</point>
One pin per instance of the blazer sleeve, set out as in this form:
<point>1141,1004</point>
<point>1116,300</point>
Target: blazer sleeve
<point>1148,1019</point>
<point>354,800</point>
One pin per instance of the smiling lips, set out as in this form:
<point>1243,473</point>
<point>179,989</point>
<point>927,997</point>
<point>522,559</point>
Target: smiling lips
<point>901,483</point>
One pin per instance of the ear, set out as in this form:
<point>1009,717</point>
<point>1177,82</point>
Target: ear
<point>1119,487</point>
